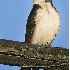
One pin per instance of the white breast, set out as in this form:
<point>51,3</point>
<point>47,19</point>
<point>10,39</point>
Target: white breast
<point>47,26</point>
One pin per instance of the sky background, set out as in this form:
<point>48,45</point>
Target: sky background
<point>13,19</point>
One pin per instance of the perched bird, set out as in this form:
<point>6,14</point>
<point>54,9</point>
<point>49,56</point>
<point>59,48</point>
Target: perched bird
<point>43,23</point>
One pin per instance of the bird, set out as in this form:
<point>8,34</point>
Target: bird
<point>43,23</point>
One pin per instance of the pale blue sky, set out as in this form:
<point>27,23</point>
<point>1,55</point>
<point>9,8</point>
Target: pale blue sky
<point>13,18</point>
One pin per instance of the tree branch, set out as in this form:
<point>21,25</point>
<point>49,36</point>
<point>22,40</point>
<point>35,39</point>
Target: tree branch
<point>25,54</point>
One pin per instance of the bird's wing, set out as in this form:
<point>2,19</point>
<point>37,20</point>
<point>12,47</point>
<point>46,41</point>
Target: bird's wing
<point>31,23</point>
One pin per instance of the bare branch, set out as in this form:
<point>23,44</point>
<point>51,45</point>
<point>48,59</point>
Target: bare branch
<point>28,55</point>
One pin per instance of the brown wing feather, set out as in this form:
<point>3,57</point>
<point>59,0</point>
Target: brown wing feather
<point>31,23</point>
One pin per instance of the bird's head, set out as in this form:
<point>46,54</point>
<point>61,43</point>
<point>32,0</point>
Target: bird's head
<point>41,1</point>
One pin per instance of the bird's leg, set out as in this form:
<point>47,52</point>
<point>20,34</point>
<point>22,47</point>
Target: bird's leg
<point>48,44</point>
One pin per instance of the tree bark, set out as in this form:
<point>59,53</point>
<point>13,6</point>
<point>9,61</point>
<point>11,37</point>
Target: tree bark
<point>26,54</point>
